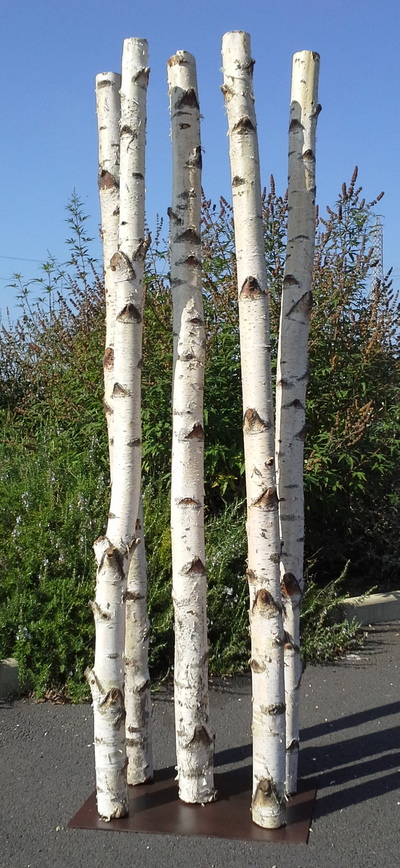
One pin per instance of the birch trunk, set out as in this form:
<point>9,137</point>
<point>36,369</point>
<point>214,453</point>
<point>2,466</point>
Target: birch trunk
<point>133,246</point>
<point>194,739</point>
<point>137,677</point>
<point>108,107</point>
<point>114,551</point>
<point>292,377</point>
<point>268,803</point>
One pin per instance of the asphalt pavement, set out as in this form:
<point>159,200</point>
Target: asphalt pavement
<point>350,714</point>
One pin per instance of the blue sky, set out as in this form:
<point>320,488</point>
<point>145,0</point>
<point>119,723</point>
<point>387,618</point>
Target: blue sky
<point>51,51</point>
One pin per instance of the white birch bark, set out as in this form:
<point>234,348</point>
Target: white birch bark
<point>114,551</point>
<point>292,377</point>
<point>194,738</point>
<point>108,108</point>
<point>133,245</point>
<point>137,678</point>
<point>268,803</point>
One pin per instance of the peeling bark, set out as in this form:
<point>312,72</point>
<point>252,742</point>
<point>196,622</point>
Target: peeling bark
<point>194,737</point>
<point>114,552</point>
<point>133,245</point>
<point>108,107</point>
<point>137,677</point>
<point>292,375</point>
<point>268,805</point>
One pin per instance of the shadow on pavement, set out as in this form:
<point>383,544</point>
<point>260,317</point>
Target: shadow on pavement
<point>371,755</point>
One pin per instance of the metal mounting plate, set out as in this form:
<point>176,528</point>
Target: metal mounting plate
<point>156,808</point>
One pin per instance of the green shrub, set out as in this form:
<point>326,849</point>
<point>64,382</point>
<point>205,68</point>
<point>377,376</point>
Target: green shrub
<point>325,634</point>
<point>51,511</point>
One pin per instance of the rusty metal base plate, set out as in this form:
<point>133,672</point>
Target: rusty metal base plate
<point>156,808</point>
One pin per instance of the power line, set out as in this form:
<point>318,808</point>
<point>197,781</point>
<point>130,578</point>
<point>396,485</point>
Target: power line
<point>20,258</point>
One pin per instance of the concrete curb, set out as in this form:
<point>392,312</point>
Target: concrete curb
<point>374,609</point>
<point>9,680</point>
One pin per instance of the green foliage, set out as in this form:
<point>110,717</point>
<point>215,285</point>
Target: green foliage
<point>54,490</point>
<point>352,478</point>
<point>53,471</point>
<point>157,365</point>
<point>51,510</point>
<point>324,634</point>
<point>226,547</point>
<point>159,566</point>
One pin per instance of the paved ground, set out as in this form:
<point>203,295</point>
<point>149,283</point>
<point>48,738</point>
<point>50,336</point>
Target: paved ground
<point>350,745</point>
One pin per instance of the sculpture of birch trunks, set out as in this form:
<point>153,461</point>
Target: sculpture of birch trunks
<point>267,637</point>
<point>114,551</point>
<point>292,377</point>
<point>194,738</point>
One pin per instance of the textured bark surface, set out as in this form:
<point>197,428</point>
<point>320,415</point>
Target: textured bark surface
<point>137,677</point>
<point>108,106</point>
<point>268,806</point>
<point>292,376</point>
<point>114,551</point>
<point>133,246</point>
<point>106,681</point>
<point>194,738</point>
